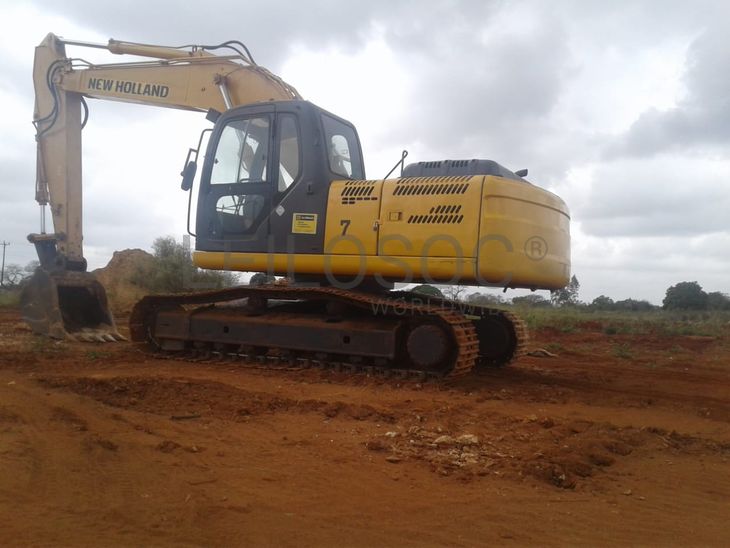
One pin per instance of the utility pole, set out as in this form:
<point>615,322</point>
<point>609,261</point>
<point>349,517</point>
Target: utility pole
<point>2,269</point>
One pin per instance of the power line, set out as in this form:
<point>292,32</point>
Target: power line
<point>2,268</point>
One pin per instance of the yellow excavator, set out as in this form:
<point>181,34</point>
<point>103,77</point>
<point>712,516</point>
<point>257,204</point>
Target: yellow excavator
<point>282,190</point>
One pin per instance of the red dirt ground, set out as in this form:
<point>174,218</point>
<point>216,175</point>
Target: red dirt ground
<point>621,439</point>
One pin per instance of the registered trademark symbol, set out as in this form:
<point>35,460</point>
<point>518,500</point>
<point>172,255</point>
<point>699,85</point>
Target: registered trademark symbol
<point>536,248</point>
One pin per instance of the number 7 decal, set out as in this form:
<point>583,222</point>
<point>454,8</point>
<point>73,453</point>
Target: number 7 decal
<point>345,224</point>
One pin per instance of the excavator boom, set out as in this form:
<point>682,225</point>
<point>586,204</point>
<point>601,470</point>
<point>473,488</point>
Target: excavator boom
<point>61,299</point>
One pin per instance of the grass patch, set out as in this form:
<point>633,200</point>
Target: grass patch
<point>564,320</point>
<point>9,299</point>
<point>623,351</point>
<point>660,322</point>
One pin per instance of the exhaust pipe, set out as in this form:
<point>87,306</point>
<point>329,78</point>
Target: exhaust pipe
<point>67,304</point>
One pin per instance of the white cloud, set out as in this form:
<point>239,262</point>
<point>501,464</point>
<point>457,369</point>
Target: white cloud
<point>621,108</point>
<point>666,195</point>
<point>365,87</point>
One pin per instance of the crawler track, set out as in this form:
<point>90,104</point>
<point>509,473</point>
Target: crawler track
<point>452,340</point>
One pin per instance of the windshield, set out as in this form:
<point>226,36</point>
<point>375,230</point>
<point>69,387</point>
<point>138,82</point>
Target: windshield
<point>242,152</point>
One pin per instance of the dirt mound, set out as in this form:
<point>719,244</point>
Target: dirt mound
<point>119,278</point>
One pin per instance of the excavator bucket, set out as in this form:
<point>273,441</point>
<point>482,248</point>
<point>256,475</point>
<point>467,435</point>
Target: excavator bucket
<point>68,305</point>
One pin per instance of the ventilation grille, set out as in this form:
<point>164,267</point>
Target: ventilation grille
<point>444,214</point>
<point>445,163</point>
<point>432,186</point>
<point>358,191</point>
<point>458,163</point>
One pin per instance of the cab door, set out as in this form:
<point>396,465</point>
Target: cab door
<point>235,204</point>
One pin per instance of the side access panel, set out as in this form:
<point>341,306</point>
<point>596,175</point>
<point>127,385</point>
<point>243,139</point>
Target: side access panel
<point>430,217</point>
<point>353,208</point>
<point>429,225</point>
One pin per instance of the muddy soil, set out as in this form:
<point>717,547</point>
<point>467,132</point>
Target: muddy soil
<point>620,439</point>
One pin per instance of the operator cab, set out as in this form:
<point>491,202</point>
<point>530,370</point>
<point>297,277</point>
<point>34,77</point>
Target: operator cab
<point>266,176</point>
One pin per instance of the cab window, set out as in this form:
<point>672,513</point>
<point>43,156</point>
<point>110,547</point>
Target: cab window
<point>242,152</point>
<point>343,150</point>
<point>289,166</point>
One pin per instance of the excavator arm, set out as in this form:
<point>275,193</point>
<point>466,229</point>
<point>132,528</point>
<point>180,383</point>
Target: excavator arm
<point>63,300</point>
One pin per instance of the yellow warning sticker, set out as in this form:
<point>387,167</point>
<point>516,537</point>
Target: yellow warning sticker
<point>304,223</point>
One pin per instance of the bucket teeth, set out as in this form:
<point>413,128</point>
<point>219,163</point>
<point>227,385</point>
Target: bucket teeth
<point>99,335</point>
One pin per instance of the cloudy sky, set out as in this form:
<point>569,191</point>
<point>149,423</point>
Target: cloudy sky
<point>621,108</point>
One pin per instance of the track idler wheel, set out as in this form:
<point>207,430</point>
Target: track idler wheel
<point>497,340</point>
<point>428,347</point>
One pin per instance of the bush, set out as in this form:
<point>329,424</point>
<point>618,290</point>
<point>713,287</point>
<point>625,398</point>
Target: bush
<point>535,301</point>
<point>718,301</point>
<point>173,271</point>
<point>602,303</point>
<point>633,305</point>
<point>567,296</point>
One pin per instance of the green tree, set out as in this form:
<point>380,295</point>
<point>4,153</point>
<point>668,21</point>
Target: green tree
<point>173,270</point>
<point>261,278</point>
<point>568,295</point>
<point>454,292</point>
<point>685,296</point>
<point>428,290</point>
<point>718,301</point>
<point>602,303</point>
<point>633,305</point>
<point>13,276</point>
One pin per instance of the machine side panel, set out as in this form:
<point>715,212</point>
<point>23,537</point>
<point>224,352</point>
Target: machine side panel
<point>524,236</point>
<point>430,216</point>
<point>353,208</point>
